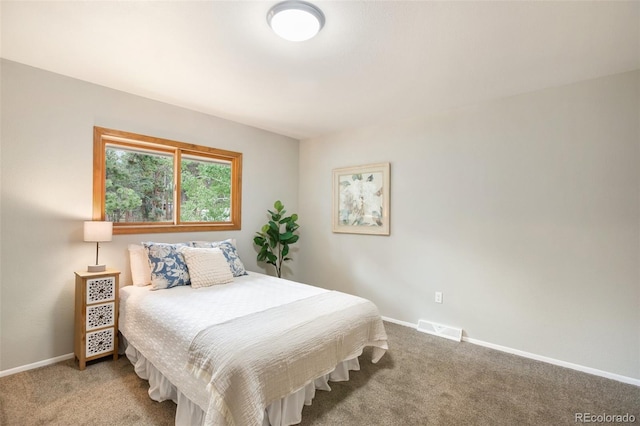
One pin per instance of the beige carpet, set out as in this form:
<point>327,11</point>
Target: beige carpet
<point>422,380</point>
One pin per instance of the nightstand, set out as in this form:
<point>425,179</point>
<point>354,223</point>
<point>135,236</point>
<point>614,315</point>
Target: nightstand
<point>96,317</point>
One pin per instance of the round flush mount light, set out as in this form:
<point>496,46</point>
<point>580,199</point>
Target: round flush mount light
<point>295,20</point>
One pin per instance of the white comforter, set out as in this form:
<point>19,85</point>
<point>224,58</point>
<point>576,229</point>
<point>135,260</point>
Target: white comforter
<point>163,324</point>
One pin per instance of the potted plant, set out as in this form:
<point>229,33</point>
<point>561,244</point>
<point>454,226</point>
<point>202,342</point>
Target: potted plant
<point>276,236</point>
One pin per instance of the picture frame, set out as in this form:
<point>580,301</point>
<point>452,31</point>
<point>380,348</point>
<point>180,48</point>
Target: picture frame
<point>361,199</point>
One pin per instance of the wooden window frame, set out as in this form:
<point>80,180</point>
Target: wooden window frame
<point>103,137</point>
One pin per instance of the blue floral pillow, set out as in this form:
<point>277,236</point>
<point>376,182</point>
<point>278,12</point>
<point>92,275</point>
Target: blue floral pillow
<point>228,248</point>
<point>168,267</point>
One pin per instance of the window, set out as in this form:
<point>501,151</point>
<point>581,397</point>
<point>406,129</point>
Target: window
<point>145,184</point>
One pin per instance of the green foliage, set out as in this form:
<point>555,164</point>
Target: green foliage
<point>139,188</point>
<point>275,237</point>
<point>206,192</point>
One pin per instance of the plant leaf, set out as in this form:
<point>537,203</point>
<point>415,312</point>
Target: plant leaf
<point>274,245</point>
<point>263,253</point>
<point>293,239</point>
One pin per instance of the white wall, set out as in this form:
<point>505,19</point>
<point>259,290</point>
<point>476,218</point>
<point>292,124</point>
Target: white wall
<point>524,212</point>
<point>46,174</point>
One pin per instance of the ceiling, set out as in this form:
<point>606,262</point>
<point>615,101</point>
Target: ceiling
<point>373,61</point>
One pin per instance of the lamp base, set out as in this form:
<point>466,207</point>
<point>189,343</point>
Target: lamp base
<point>96,268</point>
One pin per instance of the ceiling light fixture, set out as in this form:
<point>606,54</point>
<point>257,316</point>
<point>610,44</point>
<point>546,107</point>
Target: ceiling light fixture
<point>295,20</point>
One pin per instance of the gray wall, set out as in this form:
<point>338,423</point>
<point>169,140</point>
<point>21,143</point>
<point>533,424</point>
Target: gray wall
<point>524,212</point>
<point>46,192</point>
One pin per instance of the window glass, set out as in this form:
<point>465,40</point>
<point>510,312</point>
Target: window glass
<point>205,190</point>
<point>139,186</point>
<point>145,184</point>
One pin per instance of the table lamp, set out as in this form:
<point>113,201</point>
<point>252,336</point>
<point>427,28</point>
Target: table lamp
<point>97,232</point>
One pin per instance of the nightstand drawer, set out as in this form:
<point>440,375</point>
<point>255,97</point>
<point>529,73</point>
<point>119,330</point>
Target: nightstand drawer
<point>99,342</point>
<point>99,316</point>
<point>101,289</point>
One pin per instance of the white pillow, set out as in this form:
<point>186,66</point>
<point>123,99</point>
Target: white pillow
<point>229,251</point>
<point>139,263</point>
<point>207,266</point>
<point>204,244</point>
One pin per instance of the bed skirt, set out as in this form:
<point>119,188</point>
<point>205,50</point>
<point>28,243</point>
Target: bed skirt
<point>285,412</point>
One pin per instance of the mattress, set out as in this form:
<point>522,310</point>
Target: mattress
<point>162,325</point>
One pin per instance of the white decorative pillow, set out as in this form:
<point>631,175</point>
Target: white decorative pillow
<point>229,251</point>
<point>207,266</point>
<point>139,263</point>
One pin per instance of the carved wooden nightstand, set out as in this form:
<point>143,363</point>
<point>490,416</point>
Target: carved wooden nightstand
<point>96,315</point>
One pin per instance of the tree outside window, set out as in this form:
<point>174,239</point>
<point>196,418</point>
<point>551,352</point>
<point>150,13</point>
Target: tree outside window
<point>146,184</point>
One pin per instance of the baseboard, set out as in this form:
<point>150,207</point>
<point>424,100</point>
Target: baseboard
<point>578,367</point>
<point>38,364</point>
<point>582,368</point>
<point>395,321</point>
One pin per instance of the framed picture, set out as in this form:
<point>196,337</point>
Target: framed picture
<point>361,199</point>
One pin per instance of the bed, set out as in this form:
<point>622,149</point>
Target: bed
<point>250,352</point>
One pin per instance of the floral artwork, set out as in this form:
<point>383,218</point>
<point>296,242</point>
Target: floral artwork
<point>361,199</point>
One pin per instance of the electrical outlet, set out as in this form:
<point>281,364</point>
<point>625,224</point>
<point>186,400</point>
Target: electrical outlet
<point>438,297</point>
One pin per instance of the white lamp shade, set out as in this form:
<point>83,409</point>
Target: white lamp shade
<point>97,232</point>
<point>295,20</point>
